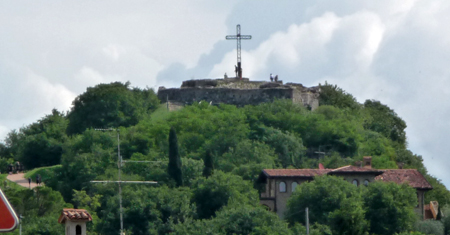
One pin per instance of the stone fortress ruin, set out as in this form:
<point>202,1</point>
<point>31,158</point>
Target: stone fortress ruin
<point>238,92</point>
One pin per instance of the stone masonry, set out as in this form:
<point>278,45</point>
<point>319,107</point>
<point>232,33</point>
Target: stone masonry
<point>239,92</point>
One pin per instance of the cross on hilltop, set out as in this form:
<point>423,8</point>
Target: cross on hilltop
<point>238,38</point>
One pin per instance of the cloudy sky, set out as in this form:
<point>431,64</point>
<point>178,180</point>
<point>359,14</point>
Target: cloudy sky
<point>396,52</point>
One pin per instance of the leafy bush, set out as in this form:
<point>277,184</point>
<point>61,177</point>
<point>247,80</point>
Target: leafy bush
<point>433,227</point>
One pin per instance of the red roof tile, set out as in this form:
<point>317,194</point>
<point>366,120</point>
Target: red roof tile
<point>74,215</point>
<point>411,176</point>
<point>295,172</point>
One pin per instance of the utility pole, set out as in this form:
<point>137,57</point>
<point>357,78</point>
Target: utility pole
<point>119,182</point>
<point>307,221</point>
<point>20,224</point>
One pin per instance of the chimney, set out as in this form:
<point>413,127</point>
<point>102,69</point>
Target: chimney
<point>367,162</point>
<point>321,166</point>
<point>358,163</point>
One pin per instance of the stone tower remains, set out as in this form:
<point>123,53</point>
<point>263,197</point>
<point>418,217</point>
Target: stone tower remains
<point>238,92</point>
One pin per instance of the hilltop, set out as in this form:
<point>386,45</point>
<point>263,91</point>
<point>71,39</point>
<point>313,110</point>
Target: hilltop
<point>240,141</point>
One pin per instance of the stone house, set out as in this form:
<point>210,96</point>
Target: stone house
<point>280,183</point>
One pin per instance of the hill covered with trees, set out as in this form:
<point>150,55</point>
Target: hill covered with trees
<point>205,158</point>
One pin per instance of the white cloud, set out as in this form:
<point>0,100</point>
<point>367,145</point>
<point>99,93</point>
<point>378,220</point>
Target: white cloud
<point>113,51</point>
<point>343,44</point>
<point>44,95</point>
<point>88,75</point>
<point>51,52</point>
<point>395,52</point>
<point>4,131</point>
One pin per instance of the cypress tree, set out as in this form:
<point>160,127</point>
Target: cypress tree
<point>174,168</point>
<point>439,215</point>
<point>209,166</point>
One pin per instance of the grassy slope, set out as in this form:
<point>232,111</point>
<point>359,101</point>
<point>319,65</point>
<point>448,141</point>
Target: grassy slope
<point>8,183</point>
<point>45,172</point>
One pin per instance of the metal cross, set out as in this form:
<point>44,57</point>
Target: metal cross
<point>238,38</point>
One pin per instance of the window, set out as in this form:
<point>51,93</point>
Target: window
<point>293,186</point>
<point>282,187</point>
<point>355,182</point>
<point>366,182</point>
<point>78,230</point>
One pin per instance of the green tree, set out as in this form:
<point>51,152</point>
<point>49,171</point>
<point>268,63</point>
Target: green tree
<point>195,227</point>
<point>75,173</point>
<point>209,165</point>
<point>247,219</point>
<point>439,192</point>
<point>192,170</point>
<point>446,219</point>
<point>314,229</point>
<point>147,210</point>
<point>174,167</point>
<point>110,105</point>
<point>53,125</point>
<point>247,152</point>
<point>385,121</point>
<point>434,227</point>
<point>390,207</point>
<point>38,144</point>
<point>41,225</point>
<point>13,145</point>
<point>38,150</point>
<point>331,201</point>
<point>288,147</point>
<point>219,190</point>
<point>335,96</point>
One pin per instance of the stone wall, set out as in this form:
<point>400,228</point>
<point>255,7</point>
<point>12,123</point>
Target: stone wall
<point>239,92</point>
<point>238,97</point>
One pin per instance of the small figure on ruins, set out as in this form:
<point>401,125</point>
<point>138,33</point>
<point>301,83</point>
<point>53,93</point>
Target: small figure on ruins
<point>225,76</point>
<point>276,78</point>
<point>271,77</point>
<point>236,70</point>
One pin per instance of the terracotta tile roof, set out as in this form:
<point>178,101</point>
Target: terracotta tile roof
<point>355,169</point>
<point>411,176</point>
<point>74,215</point>
<point>295,172</point>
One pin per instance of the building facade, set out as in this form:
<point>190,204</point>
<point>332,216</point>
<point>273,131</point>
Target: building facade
<point>281,183</point>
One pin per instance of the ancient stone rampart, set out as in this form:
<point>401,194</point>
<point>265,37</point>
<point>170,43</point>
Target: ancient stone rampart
<point>239,92</point>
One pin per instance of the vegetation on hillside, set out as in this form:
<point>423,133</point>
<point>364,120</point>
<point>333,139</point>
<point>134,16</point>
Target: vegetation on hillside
<point>207,171</point>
